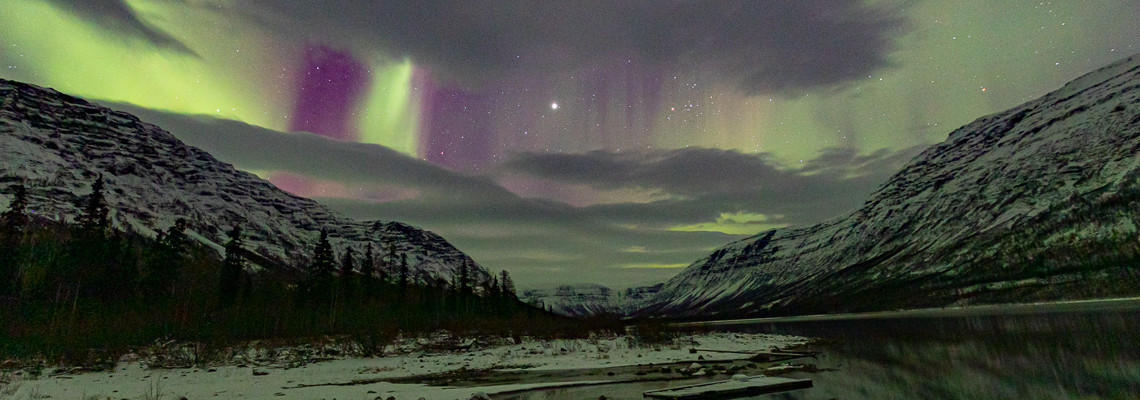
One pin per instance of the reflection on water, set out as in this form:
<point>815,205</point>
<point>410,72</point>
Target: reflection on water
<point>1076,354</point>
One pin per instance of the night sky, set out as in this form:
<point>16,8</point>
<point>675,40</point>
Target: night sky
<point>607,141</point>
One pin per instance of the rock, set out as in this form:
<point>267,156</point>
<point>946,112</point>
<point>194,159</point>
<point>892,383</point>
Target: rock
<point>700,373</point>
<point>479,396</point>
<point>259,373</point>
<point>700,357</point>
<point>740,377</point>
<point>694,366</point>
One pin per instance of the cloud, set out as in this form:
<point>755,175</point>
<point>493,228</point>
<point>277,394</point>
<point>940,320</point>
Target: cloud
<point>759,46</point>
<point>701,183</point>
<point>540,240</point>
<point>252,147</point>
<point>118,17</point>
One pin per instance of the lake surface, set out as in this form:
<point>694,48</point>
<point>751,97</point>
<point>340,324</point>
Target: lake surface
<point>1066,351</point>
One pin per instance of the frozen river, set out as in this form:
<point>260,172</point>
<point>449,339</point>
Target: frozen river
<point>1067,351</point>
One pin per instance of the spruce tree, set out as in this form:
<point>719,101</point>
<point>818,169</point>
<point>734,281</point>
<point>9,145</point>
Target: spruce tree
<point>368,272</point>
<point>13,222</point>
<point>404,270</point>
<point>321,279</point>
<point>123,277</point>
<point>94,220</point>
<point>323,263</point>
<point>90,266</point>
<point>507,286</point>
<point>347,265</point>
<point>167,259</point>
<point>493,288</point>
<point>232,268</point>
<point>15,219</point>
<point>389,262</point>
<point>465,278</point>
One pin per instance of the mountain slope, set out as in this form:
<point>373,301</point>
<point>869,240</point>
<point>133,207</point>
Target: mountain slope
<point>59,144</point>
<point>1037,202</point>
<point>589,299</point>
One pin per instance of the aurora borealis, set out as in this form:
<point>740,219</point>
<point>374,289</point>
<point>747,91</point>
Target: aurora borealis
<point>680,125</point>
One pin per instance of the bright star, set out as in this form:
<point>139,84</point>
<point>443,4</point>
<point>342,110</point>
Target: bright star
<point>553,106</point>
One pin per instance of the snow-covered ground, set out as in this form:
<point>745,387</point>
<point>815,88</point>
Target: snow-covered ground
<point>362,378</point>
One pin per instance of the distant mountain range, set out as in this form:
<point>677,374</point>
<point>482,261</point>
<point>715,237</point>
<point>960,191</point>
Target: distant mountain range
<point>58,144</point>
<point>589,299</point>
<point>1040,202</point>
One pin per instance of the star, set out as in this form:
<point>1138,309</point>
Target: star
<point>554,106</point>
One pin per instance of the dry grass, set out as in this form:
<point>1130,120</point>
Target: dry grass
<point>153,390</point>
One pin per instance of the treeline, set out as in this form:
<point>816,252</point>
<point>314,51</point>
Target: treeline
<point>84,292</point>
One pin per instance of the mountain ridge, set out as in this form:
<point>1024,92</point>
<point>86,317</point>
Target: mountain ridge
<point>957,225</point>
<point>586,299</point>
<point>58,144</point>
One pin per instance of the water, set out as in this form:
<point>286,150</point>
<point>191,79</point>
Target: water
<point>1082,351</point>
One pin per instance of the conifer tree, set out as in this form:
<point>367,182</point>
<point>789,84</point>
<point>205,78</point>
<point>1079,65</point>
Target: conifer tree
<point>124,268</point>
<point>493,288</point>
<point>323,256</point>
<point>320,284</point>
<point>404,270</point>
<point>167,259</point>
<point>455,283</point>
<point>347,265</point>
<point>15,218</point>
<point>13,222</point>
<point>390,261</point>
<point>507,286</point>
<point>94,220</point>
<point>465,278</point>
<point>232,268</point>
<point>90,267</point>
<point>368,272</point>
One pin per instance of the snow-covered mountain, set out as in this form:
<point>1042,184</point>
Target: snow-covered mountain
<point>58,144</point>
<point>589,299</point>
<point>1039,202</point>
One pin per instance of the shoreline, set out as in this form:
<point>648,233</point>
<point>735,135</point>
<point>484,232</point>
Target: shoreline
<point>976,310</point>
<point>366,378</point>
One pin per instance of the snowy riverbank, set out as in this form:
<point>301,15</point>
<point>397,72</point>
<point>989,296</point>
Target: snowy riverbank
<point>363,378</point>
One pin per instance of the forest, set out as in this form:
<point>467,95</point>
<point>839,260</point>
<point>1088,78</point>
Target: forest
<point>84,293</point>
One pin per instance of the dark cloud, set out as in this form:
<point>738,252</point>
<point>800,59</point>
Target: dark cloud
<point>255,148</point>
<point>702,183</point>
<point>682,172</point>
<point>540,240</point>
<point>774,45</point>
<point>118,17</point>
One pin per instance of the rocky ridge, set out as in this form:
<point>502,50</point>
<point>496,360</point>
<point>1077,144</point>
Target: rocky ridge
<point>1038,202</point>
<point>57,145</point>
